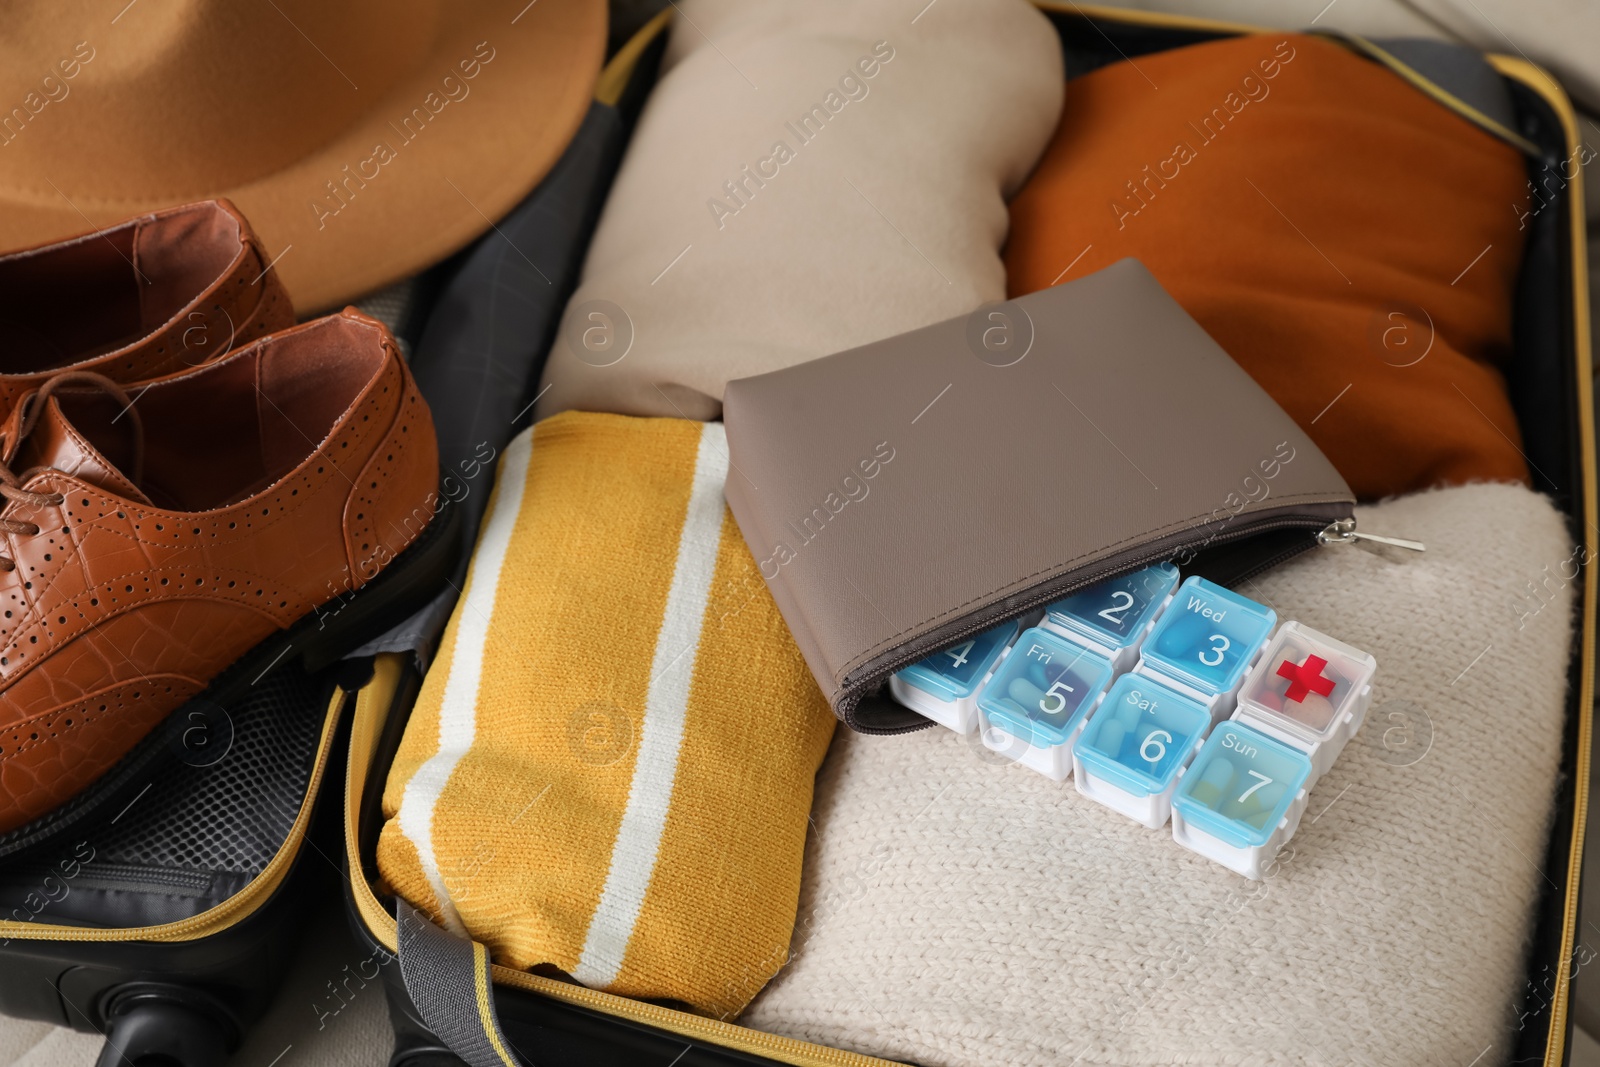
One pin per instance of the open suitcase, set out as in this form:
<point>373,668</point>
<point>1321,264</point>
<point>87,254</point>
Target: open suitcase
<point>494,1015</point>
<point>166,918</point>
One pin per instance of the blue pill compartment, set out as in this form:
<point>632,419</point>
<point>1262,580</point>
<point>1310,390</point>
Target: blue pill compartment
<point>1134,748</point>
<point>1113,617</point>
<point>1033,707</point>
<point>1240,787</point>
<point>1141,735</point>
<point>942,686</point>
<point>1207,639</point>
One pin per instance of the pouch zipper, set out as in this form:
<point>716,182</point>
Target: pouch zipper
<point>984,621</point>
<point>1338,532</point>
<point>1344,532</point>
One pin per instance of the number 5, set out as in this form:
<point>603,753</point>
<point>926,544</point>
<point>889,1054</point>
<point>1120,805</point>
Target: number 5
<point>1215,650</point>
<point>1057,689</point>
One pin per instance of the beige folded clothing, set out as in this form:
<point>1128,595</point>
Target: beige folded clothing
<point>808,176</point>
<point>959,912</point>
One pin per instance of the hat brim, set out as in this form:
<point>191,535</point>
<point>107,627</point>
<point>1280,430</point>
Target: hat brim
<point>351,216</point>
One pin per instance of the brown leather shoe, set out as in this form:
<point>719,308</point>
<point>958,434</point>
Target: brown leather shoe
<point>150,296</point>
<point>141,568</point>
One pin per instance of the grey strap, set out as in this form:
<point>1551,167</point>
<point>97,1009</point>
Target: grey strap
<point>447,978</point>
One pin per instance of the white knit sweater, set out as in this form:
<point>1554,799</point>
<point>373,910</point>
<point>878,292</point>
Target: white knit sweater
<point>959,910</point>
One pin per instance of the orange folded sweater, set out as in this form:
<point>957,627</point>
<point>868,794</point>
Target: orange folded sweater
<point>1350,242</point>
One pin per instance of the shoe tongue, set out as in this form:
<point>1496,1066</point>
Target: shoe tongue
<point>55,442</point>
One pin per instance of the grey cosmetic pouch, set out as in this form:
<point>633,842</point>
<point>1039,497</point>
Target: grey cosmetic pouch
<point>909,493</point>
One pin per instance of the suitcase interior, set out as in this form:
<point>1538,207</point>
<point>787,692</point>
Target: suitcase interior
<point>166,924</point>
<point>1550,382</point>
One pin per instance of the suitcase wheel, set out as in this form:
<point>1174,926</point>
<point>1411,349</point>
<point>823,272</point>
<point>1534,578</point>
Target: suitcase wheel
<point>161,1030</point>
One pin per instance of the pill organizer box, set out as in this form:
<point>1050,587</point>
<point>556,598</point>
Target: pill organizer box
<point>1114,617</point>
<point>944,686</point>
<point>1310,691</point>
<point>1135,746</point>
<point>1036,702</point>
<point>1205,642</point>
<point>1058,697</point>
<point>1241,798</point>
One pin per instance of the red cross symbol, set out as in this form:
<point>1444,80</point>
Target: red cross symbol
<point>1305,678</point>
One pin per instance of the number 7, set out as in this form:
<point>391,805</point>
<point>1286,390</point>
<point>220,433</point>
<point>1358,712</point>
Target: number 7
<point>1264,781</point>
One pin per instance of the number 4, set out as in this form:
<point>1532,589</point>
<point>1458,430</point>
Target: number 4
<point>959,653</point>
<point>1264,781</point>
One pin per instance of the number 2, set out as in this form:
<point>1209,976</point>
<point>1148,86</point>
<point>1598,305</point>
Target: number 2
<point>1057,690</point>
<point>1216,650</point>
<point>959,653</point>
<point>1264,781</point>
<point>1114,613</point>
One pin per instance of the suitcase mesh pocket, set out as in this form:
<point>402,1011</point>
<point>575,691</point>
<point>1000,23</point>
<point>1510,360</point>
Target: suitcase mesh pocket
<point>206,825</point>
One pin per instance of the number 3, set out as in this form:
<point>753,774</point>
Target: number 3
<point>1114,613</point>
<point>1215,650</point>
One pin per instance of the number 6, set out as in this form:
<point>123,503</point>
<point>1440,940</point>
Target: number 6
<point>1160,746</point>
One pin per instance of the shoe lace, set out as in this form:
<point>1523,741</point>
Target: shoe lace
<point>32,404</point>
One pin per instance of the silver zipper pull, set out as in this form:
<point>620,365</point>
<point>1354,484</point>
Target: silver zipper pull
<point>1344,532</point>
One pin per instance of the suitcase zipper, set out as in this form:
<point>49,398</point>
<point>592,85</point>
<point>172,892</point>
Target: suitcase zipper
<point>237,907</point>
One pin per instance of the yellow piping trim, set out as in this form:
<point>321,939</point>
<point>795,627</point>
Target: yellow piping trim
<point>617,73</point>
<point>1439,94</point>
<point>236,908</point>
<point>1148,18</point>
<point>1547,87</point>
<point>366,726</point>
<point>480,979</point>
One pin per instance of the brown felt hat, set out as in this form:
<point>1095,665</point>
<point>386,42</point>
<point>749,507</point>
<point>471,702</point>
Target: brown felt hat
<point>363,140</point>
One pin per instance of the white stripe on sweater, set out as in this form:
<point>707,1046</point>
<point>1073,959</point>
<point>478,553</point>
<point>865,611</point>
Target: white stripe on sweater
<point>459,706</point>
<point>633,856</point>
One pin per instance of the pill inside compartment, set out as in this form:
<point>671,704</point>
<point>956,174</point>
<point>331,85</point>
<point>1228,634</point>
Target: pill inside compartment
<point>1305,680</point>
<point>1141,734</point>
<point>1044,688</point>
<point>1208,637</point>
<point>1241,785</point>
<point>1114,615</point>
